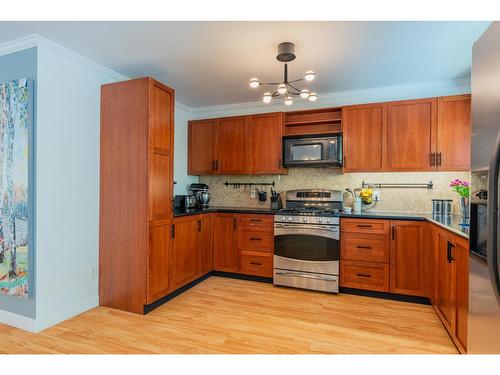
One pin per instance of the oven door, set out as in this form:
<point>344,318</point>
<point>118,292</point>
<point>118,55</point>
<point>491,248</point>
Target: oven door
<point>310,248</point>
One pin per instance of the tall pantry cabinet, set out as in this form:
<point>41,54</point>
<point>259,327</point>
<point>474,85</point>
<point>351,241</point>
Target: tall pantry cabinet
<point>136,187</point>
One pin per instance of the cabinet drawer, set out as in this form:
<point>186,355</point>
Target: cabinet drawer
<point>373,226</point>
<point>255,238</point>
<point>365,247</point>
<point>364,275</point>
<point>256,263</point>
<point>256,220</point>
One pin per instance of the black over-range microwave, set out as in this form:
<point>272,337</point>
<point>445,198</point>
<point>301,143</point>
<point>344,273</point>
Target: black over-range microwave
<point>313,151</point>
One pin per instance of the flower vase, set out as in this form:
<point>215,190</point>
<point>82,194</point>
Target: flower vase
<point>464,207</point>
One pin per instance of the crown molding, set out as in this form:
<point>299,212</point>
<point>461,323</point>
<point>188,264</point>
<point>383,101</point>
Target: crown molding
<point>341,98</point>
<point>35,40</point>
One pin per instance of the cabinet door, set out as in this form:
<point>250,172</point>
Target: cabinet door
<point>185,263</point>
<point>205,243</point>
<point>231,146</point>
<point>445,285</point>
<point>411,135</point>
<point>159,261</point>
<point>461,254</point>
<point>365,132</point>
<point>160,187</point>
<point>407,258</point>
<point>265,143</point>
<point>161,104</point>
<point>201,143</point>
<point>454,133</point>
<point>224,243</point>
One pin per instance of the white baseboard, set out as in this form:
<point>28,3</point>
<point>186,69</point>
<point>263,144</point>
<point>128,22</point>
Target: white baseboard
<point>18,321</point>
<point>41,323</point>
<point>45,322</point>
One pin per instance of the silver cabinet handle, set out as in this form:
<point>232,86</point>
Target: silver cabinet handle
<point>304,275</point>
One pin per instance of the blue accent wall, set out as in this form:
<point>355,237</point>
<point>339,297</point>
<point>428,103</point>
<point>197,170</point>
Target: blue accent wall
<point>12,66</point>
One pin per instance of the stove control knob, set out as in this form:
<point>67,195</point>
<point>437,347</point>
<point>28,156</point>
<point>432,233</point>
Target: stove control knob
<point>304,219</point>
<point>327,221</point>
<point>289,218</point>
<point>320,219</point>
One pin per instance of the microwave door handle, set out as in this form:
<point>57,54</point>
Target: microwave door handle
<point>492,241</point>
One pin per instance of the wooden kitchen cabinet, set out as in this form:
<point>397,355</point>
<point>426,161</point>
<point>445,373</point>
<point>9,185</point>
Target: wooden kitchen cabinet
<point>231,146</point>
<point>136,187</point>
<point>225,253</point>
<point>264,134</point>
<point>407,257</point>
<point>205,243</point>
<point>453,133</point>
<point>201,147</point>
<point>411,135</point>
<point>365,137</point>
<point>452,275</point>
<point>185,250</point>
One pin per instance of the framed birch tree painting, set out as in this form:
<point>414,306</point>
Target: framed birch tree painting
<point>15,119</point>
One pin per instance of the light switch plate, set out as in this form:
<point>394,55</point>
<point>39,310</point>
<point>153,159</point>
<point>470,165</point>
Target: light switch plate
<point>252,192</point>
<point>376,195</point>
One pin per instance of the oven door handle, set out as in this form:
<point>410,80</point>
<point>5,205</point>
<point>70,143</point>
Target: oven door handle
<point>307,276</point>
<point>329,228</point>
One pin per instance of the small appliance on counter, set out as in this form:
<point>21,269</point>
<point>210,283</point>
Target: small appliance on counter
<point>185,202</point>
<point>200,191</point>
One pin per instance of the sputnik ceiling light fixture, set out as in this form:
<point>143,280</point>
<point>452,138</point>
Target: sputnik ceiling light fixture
<point>286,53</point>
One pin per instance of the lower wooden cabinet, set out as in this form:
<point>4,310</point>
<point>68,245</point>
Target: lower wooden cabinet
<point>205,244</point>
<point>159,261</point>
<point>224,242</point>
<point>185,251</point>
<point>364,275</point>
<point>256,263</point>
<point>407,263</point>
<point>452,273</point>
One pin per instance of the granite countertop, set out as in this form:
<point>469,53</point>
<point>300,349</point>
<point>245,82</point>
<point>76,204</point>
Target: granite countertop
<point>454,223</point>
<point>239,210</point>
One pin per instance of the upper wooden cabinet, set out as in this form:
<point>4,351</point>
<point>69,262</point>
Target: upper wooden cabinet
<point>231,146</point>
<point>411,135</point>
<point>265,134</point>
<point>453,133</point>
<point>236,145</point>
<point>365,129</point>
<point>136,187</point>
<point>201,150</point>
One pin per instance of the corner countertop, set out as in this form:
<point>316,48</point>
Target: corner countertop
<point>454,223</point>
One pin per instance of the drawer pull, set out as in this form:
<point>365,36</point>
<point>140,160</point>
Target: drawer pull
<point>256,220</point>
<point>256,263</point>
<point>363,275</point>
<point>364,247</point>
<point>255,239</point>
<point>364,226</point>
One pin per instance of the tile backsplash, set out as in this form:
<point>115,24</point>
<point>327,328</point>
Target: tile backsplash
<point>392,199</point>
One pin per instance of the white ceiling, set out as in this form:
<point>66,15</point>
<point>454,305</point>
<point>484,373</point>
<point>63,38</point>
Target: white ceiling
<point>209,63</point>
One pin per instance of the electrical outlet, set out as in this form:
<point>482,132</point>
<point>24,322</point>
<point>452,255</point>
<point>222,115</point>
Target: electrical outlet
<point>376,195</point>
<point>252,192</point>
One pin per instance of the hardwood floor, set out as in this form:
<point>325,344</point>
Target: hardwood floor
<point>223,315</point>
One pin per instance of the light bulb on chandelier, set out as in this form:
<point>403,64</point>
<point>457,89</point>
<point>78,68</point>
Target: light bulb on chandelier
<point>267,97</point>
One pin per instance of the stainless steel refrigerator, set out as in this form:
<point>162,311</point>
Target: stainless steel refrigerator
<point>484,280</point>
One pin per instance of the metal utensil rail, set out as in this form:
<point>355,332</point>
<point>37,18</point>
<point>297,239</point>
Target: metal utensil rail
<point>383,185</point>
<point>249,184</point>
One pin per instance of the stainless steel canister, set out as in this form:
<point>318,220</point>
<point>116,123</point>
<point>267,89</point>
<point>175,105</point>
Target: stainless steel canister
<point>442,206</point>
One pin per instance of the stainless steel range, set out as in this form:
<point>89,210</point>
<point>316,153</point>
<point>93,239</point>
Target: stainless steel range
<point>306,240</point>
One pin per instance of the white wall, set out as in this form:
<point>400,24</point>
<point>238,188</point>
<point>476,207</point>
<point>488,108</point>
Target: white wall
<point>182,116</point>
<point>67,183</point>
